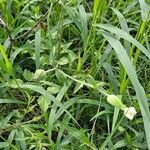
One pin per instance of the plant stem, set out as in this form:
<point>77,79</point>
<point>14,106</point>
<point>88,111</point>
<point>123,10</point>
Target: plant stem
<point>138,37</point>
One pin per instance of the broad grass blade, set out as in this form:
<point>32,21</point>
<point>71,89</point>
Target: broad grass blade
<point>125,36</point>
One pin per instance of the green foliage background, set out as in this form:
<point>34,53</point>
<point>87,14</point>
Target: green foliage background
<point>59,60</point>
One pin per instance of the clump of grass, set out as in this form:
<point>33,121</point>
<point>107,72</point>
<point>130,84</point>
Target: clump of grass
<point>74,74</point>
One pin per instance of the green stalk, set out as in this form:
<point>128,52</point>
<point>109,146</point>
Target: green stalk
<point>138,37</point>
<point>60,31</point>
<point>97,12</point>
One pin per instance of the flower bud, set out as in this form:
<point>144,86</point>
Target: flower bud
<point>115,101</point>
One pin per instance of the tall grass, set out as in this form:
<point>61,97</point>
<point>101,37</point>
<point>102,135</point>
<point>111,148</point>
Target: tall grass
<point>59,63</point>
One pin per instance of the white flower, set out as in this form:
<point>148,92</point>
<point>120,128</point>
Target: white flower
<point>130,112</point>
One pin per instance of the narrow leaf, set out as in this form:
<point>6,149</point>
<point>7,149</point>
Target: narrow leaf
<point>37,48</point>
<point>125,36</point>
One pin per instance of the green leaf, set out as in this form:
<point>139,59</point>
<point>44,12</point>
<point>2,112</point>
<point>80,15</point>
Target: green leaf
<point>11,138</point>
<point>100,113</point>
<point>14,83</point>
<point>111,76</point>
<point>43,103</point>
<point>79,135</point>
<point>130,6</point>
<point>145,10</point>
<point>21,139</point>
<point>53,89</point>
<point>8,64</point>
<point>78,87</point>
<point>124,26</point>
<point>17,51</point>
<point>37,48</point>
<point>39,74</point>
<point>122,20</point>
<point>83,20</point>
<point>96,6</point>
<point>119,144</point>
<point>4,122</point>
<point>28,75</point>
<point>63,61</point>
<point>3,144</point>
<point>10,101</point>
<point>125,36</point>
<point>54,108</point>
<point>3,66</point>
<point>66,105</point>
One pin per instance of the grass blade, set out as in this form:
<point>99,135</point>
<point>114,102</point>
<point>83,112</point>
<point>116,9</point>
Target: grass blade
<point>83,17</point>
<point>145,10</point>
<point>124,26</point>
<point>10,101</point>
<point>125,36</point>
<point>53,111</point>
<point>8,64</point>
<point>37,48</point>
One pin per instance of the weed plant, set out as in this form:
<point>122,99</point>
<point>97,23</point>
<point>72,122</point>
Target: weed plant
<point>74,74</point>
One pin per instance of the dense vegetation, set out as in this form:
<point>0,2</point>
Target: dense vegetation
<point>74,74</point>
